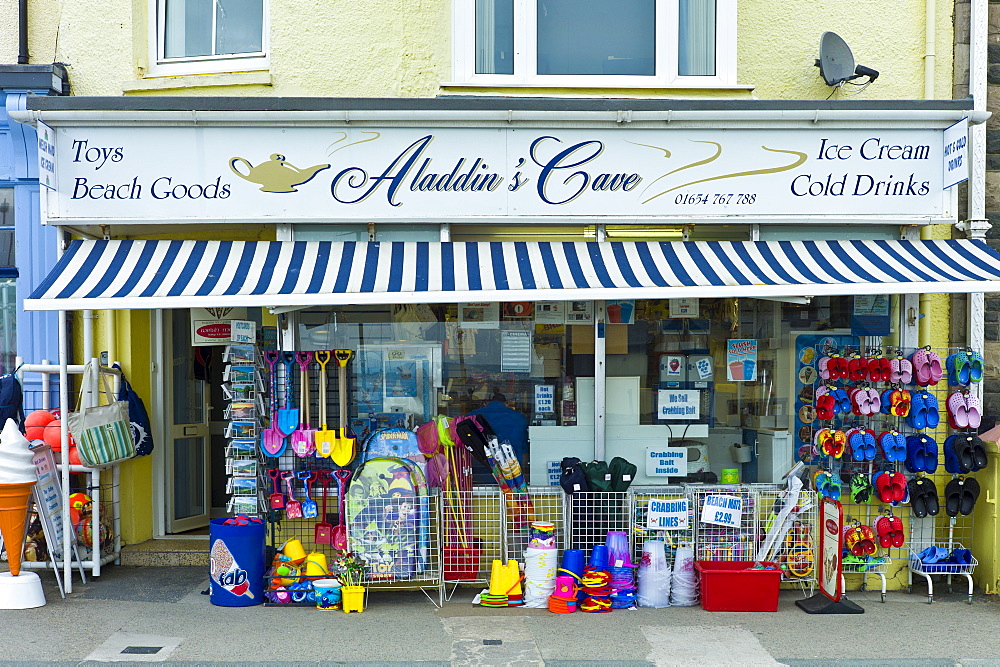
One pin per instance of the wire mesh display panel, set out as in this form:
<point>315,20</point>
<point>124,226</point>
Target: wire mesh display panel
<point>543,503</point>
<point>786,532</point>
<point>640,528</point>
<point>719,541</point>
<point>592,514</point>
<point>472,530</point>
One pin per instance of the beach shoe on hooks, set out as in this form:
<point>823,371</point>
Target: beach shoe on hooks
<point>821,366</point>
<point>978,451</point>
<point>898,536</point>
<point>917,419</point>
<point>930,496</point>
<point>893,445</point>
<point>974,410</point>
<point>897,484</point>
<point>953,496</point>
<point>821,440</point>
<point>975,367</point>
<point>921,367</point>
<point>879,369</point>
<point>861,488</point>
<point>883,529</point>
<point>900,403</point>
<point>937,371</point>
<point>918,502</point>
<point>856,442</point>
<point>952,461</point>
<point>932,413</point>
<point>970,493</point>
<point>843,400</point>
<point>914,454</point>
<point>869,443</point>
<point>874,401</point>
<point>958,410</point>
<point>895,373</point>
<point>882,481</point>
<point>905,370</point>
<point>826,406</point>
<point>886,401</point>
<point>838,368</point>
<point>857,368</point>
<point>959,368</point>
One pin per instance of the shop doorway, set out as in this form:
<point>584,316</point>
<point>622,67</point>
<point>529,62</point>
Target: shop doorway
<point>187,466</point>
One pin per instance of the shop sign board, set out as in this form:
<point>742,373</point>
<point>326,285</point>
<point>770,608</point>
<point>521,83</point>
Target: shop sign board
<point>722,511</point>
<point>831,538</point>
<point>667,514</point>
<point>515,351</point>
<point>243,331</point>
<point>955,153</point>
<point>46,156</point>
<point>741,360</point>
<point>553,471</point>
<point>684,308</point>
<point>678,404</point>
<point>479,174</point>
<point>666,461</point>
<point>871,315</point>
<point>545,398</point>
<point>213,326</point>
<point>47,494</point>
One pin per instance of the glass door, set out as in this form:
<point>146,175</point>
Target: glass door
<point>187,452</point>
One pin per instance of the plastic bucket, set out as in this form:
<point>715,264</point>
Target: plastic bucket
<point>327,592</point>
<point>236,566</point>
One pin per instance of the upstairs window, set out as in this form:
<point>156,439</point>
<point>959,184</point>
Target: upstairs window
<point>199,36</point>
<point>595,43</point>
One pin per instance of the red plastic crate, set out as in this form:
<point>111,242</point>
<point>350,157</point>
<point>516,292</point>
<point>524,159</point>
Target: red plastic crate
<point>730,585</point>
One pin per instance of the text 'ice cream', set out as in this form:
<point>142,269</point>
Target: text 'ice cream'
<point>15,456</point>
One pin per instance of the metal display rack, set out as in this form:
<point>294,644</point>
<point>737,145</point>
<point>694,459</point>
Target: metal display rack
<point>101,484</point>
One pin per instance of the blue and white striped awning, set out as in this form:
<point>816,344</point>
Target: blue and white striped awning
<point>181,274</point>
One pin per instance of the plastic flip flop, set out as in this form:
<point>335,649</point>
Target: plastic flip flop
<point>975,367</point>
<point>857,368</point>
<point>932,416</point>
<point>978,447</point>
<point>821,366</point>
<point>875,402</point>
<point>953,496</point>
<point>898,535</point>
<point>883,486</point>
<point>917,502</point>
<point>895,375</point>
<point>958,410</point>
<point>952,463</point>
<point>921,367</point>
<point>930,496</point>
<point>936,371</point>
<point>914,456</point>
<point>974,410</point>
<point>893,444</point>
<point>861,488</point>
<point>917,419</point>
<point>905,371</point>
<point>897,482</point>
<point>856,439</point>
<point>970,493</point>
<point>883,528</point>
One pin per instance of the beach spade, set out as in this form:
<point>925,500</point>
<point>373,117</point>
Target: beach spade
<point>325,438</point>
<point>309,509</point>
<point>293,508</point>
<point>343,448</point>
<point>277,498</point>
<point>288,416</point>
<point>272,440</point>
<point>340,532</point>
<point>304,438</point>
<point>323,531</point>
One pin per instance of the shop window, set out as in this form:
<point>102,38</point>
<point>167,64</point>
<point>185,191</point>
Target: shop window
<point>415,361</point>
<point>205,36</point>
<point>596,43</point>
<point>8,323</point>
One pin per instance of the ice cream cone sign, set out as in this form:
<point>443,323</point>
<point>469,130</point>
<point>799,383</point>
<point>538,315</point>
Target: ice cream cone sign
<point>17,477</point>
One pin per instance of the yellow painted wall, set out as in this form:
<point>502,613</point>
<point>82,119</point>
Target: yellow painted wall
<point>133,332</point>
<point>392,48</point>
<point>8,31</point>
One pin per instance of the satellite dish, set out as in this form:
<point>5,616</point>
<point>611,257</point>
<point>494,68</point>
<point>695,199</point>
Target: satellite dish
<point>835,62</point>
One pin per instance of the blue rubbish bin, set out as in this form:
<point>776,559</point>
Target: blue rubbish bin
<point>236,562</point>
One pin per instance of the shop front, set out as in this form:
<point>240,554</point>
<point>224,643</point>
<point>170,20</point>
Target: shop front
<point>663,287</point>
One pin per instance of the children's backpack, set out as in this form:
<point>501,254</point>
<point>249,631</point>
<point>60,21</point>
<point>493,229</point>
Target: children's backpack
<point>142,430</point>
<point>572,479</point>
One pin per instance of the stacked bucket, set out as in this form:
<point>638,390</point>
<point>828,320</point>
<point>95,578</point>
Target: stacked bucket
<point>505,586</point>
<point>564,599</point>
<point>621,570</point>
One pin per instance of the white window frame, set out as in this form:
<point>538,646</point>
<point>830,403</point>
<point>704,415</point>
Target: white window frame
<point>525,56</point>
<point>159,65</point>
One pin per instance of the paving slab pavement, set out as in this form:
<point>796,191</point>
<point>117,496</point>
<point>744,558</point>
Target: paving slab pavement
<point>159,614</point>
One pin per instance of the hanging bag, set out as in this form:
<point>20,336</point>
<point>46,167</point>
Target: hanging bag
<point>142,430</point>
<point>103,434</point>
<point>11,399</point>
